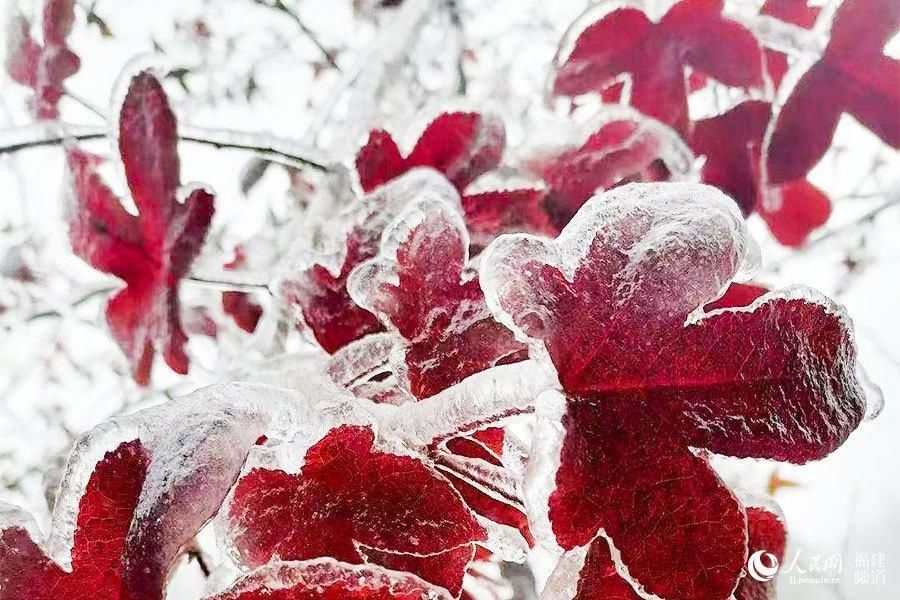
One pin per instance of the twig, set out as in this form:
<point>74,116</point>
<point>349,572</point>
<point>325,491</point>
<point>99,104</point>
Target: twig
<point>77,302</point>
<point>277,150</point>
<point>230,286</point>
<point>85,104</point>
<point>280,6</point>
<point>456,21</point>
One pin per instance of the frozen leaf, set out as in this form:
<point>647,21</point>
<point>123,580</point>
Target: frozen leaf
<point>105,514</point>
<point>796,12</point>
<point>350,499</point>
<point>731,143</point>
<point>592,573</point>
<point>460,145</point>
<point>624,279</point>
<point>491,213</point>
<point>737,295</point>
<point>766,543</point>
<point>655,54</point>
<point>422,286</point>
<point>625,147</point>
<point>328,579</point>
<point>153,251</point>
<point>853,76</point>
<point>43,68</point>
<point>314,284</point>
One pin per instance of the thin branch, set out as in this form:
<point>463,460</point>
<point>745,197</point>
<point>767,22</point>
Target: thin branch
<point>77,302</point>
<point>309,33</point>
<point>85,104</point>
<point>456,21</point>
<point>277,150</point>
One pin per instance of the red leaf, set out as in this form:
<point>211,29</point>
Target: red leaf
<point>488,214</point>
<point>620,282</point>
<point>349,494</point>
<point>44,68</point>
<point>693,33</point>
<point>326,579</point>
<point>853,76</point>
<point>422,286</point>
<point>767,538</point>
<point>153,251</point>
<point>462,146</point>
<point>318,290</point>
<point>731,143</point>
<point>445,569</point>
<point>737,295</point>
<point>243,309</point>
<point>104,519</point>
<point>619,151</point>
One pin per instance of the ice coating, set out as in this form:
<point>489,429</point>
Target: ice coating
<point>577,156</point>
<point>625,279</point>
<point>421,285</point>
<point>346,495</point>
<point>697,229</point>
<point>542,465</point>
<point>563,581</point>
<point>328,579</point>
<point>195,448</point>
<point>312,281</point>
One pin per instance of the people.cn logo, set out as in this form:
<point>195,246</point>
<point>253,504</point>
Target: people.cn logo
<point>762,566</point>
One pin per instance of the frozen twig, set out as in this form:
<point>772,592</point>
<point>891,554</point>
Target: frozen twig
<point>309,33</point>
<point>275,149</point>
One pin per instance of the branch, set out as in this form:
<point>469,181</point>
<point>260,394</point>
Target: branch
<point>278,150</point>
<point>309,33</point>
<point>456,21</point>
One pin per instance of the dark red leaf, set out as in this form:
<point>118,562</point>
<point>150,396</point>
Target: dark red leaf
<point>767,538</point>
<point>737,295</point>
<point>243,309</point>
<point>422,286</point>
<point>348,494</point>
<point>488,214</point>
<point>445,569</point>
<point>731,143</point>
<point>620,282</point>
<point>327,579</point>
<point>854,77</point>
<point>619,151</point>
<point>462,146</point>
<point>44,68</point>
<point>693,33</point>
<point>153,251</point>
<point>104,519</point>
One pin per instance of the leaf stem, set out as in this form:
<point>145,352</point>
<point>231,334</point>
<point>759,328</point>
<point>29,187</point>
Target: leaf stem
<point>309,33</point>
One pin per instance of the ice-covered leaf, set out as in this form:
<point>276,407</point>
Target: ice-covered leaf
<point>314,284</point>
<point>731,143</point>
<point>422,286</point>
<point>152,251</point>
<point>853,76</point>
<point>351,501</point>
<point>622,280</point>
<point>105,514</point>
<point>766,539</point>
<point>622,149</point>
<point>737,295</point>
<point>328,579</point>
<point>45,67</point>
<point>491,213</point>
<point>590,573</point>
<point>694,34</point>
<point>460,145</point>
